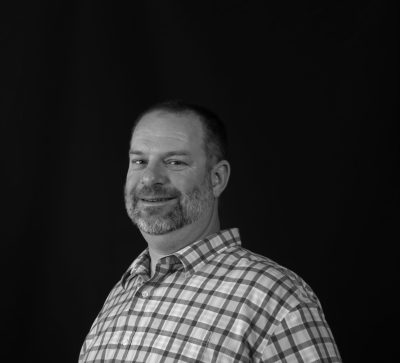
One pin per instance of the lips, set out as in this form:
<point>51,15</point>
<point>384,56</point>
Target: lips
<point>155,200</point>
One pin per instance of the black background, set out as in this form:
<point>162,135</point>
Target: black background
<point>309,92</point>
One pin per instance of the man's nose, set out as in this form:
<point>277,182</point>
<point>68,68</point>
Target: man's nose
<point>154,174</point>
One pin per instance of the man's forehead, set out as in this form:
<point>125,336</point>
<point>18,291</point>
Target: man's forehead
<point>163,124</point>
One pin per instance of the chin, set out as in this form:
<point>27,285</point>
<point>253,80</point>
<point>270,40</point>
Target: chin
<point>157,227</point>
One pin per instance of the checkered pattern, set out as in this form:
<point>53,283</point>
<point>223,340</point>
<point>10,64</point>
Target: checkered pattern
<point>212,301</point>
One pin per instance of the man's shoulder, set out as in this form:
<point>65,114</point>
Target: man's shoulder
<point>264,278</point>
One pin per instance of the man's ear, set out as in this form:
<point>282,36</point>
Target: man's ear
<point>220,176</point>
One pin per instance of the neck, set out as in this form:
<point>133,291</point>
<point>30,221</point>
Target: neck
<point>168,243</point>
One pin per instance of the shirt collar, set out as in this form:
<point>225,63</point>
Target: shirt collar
<point>199,252</point>
<point>141,266</point>
<point>191,256</point>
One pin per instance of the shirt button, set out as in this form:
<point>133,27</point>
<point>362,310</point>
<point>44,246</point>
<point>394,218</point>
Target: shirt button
<point>145,294</point>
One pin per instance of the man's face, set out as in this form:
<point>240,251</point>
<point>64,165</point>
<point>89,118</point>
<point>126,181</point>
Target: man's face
<point>168,185</point>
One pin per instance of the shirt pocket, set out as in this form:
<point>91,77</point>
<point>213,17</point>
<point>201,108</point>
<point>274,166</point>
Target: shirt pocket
<point>107,345</point>
<point>184,343</point>
<point>225,347</point>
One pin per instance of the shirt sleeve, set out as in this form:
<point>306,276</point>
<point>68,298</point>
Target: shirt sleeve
<point>303,336</point>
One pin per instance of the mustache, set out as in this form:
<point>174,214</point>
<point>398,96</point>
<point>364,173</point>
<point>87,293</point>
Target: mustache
<point>155,191</point>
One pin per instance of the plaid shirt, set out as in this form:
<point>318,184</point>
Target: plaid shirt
<point>212,301</point>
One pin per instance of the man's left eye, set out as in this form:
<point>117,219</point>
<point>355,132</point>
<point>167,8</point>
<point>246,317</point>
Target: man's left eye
<point>176,162</point>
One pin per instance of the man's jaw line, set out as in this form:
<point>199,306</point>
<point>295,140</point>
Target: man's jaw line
<point>172,241</point>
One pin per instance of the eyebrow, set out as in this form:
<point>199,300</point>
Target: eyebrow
<point>169,153</point>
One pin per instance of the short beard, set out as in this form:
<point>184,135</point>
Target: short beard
<point>188,209</point>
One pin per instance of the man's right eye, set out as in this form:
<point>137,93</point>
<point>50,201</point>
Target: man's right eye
<point>137,162</point>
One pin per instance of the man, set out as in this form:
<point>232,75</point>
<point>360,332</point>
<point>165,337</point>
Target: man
<point>195,295</point>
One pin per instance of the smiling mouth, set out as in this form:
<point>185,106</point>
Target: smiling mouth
<point>156,200</point>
